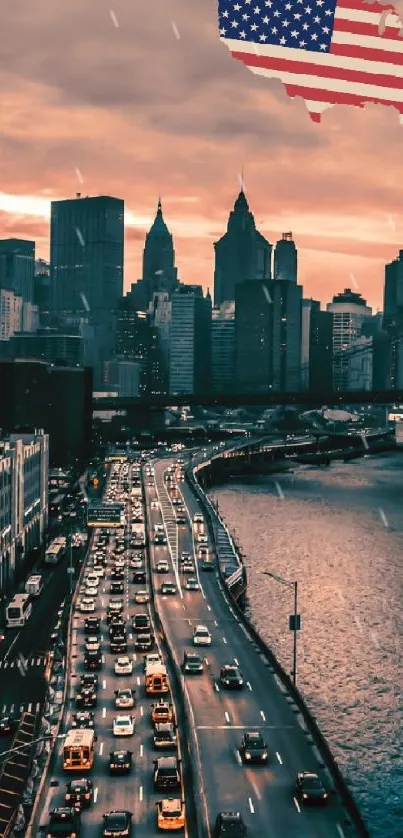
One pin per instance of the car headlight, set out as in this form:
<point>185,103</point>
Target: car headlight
<point>247,756</point>
<point>264,755</point>
<point>325,794</point>
<point>305,797</point>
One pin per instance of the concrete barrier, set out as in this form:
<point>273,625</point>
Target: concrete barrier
<point>312,726</point>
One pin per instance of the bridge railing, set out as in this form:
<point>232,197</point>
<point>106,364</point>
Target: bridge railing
<point>354,819</point>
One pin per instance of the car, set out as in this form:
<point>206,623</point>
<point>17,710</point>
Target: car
<point>8,724</point>
<point>164,737</point>
<point>93,660</point>
<point>208,564</point>
<point>118,644</point>
<point>310,789</point>
<point>170,814</point>
<point>119,564</point>
<point>153,657</point>
<point>141,597</point>
<point>91,580</point>
<point>166,773</point>
<point>181,518</point>
<point>188,567</point>
<point>79,793</point>
<point>92,625</point>
<point>162,711</point>
<point>139,577</point>
<point>160,538</point>
<point>137,563</point>
<point>231,677</point>
<point>99,570</point>
<point>89,593</point>
<point>124,699</point>
<point>92,643</point>
<point>201,636</point>
<point>117,587</point>
<point>86,605</point>
<point>123,725</point>
<point>64,822</point>
<point>168,589</point>
<point>117,575</point>
<point>86,697</point>
<point>120,762</point>
<point>141,623</point>
<point>202,538</point>
<point>83,720</point>
<point>192,663</point>
<point>162,566</point>
<point>230,825</point>
<point>144,642</point>
<point>89,680</point>
<point>253,748</point>
<point>198,518</point>
<point>117,625</point>
<point>192,584</point>
<point>115,606</point>
<point>117,823</point>
<point>123,666</point>
<point>185,556</point>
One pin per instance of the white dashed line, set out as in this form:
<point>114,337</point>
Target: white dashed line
<point>209,607</point>
<point>340,830</point>
<point>96,794</point>
<point>279,758</point>
<point>224,640</point>
<point>263,715</point>
<point>297,806</point>
<point>104,684</point>
<point>141,750</point>
<point>227,718</point>
<point>238,757</point>
<point>104,712</point>
<point>236,661</point>
<point>251,806</point>
<point>216,687</point>
<point>138,680</point>
<point>141,710</point>
<point>141,792</point>
<point>249,685</point>
<point>215,623</point>
<point>101,749</point>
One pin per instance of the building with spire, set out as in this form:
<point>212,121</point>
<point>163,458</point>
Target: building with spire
<point>285,259</point>
<point>241,255</point>
<point>159,271</point>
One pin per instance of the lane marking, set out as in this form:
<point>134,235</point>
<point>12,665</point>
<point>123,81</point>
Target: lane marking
<point>249,685</point>
<point>141,793</point>
<point>216,687</point>
<point>141,710</point>
<point>209,607</point>
<point>215,623</point>
<point>263,715</point>
<point>138,680</point>
<point>243,727</point>
<point>104,712</point>
<point>251,806</point>
<point>101,749</point>
<point>236,661</point>
<point>340,830</point>
<point>141,750</point>
<point>206,660</point>
<point>227,718</point>
<point>279,758</point>
<point>224,640</point>
<point>104,684</point>
<point>95,794</point>
<point>238,756</point>
<point>297,806</point>
<point>255,789</point>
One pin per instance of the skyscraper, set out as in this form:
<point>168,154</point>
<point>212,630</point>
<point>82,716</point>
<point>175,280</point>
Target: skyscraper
<point>349,311</point>
<point>190,345</point>
<point>223,348</point>
<point>320,359</point>
<point>253,337</point>
<point>159,271</point>
<point>86,254</point>
<point>286,258</point>
<point>286,336</point>
<point>17,267</point>
<point>242,253</point>
<point>393,296</point>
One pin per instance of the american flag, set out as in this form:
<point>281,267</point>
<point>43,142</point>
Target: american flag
<point>328,52</point>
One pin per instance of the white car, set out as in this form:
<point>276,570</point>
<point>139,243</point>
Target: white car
<point>99,570</point>
<point>162,566</point>
<point>90,593</point>
<point>201,636</point>
<point>192,584</point>
<point>202,539</point>
<point>152,657</point>
<point>141,596</point>
<point>198,518</point>
<point>154,504</point>
<point>91,580</point>
<point>123,666</point>
<point>123,725</point>
<point>124,699</point>
<point>92,643</point>
<point>87,605</point>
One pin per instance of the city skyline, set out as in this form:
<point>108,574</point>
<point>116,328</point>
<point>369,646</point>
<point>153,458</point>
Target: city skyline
<point>185,133</point>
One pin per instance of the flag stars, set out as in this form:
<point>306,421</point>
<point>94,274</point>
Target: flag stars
<point>256,10</point>
<point>245,17</point>
<point>237,7</point>
<point>294,33</point>
<point>263,38</point>
<point>285,23</point>
<point>234,24</point>
<point>254,27</point>
<point>266,20</point>
<point>298,24</point>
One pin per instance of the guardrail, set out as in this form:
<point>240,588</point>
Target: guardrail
<point>312,726</point>
<point>195,814</point>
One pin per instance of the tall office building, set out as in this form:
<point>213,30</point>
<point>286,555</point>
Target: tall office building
<point>223,348</point>
<point>86,254</point>
<point>393,296</point>
<point>286,259</point>
<point>349,312</point>
<point>286,335</point>
<point>42,288</point>
<point>190,344</point>
<point>160,314</point>
<point>253,337</point>
<point>320,366</point>
<point>159,271</point>
<point>242,254</point>
<point>17,267</point>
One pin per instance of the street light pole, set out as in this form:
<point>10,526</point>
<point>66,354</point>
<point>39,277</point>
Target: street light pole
<point>294,620</point>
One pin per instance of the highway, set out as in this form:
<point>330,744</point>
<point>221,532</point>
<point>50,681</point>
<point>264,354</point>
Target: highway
<point>133,792</point>
<point>263,794</point>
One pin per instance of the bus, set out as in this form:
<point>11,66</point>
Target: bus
<point>78,750</point>
<point>156,679</point>
<point>18,611</point>
<point>55,551</point>
<point>34,585</point>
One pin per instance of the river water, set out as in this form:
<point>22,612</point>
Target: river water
<point>339,532</point>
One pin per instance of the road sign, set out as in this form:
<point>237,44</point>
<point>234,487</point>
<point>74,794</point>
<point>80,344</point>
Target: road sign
<point>105,515</point>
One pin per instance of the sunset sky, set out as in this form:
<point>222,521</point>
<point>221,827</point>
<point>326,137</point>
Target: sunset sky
<point>155,105</point>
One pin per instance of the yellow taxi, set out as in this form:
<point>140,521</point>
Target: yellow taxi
<point>162,711</point>
<point>170,814</point>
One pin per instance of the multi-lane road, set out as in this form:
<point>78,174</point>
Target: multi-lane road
<point>265,795</point>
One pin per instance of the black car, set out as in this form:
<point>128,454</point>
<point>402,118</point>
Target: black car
<point>118,643</point>
<point>86,697</point>
<point>117,823</point>
<point>117,625</point>
<point>92,625</point>
<point>83,720</point>
<point>208,564</point>
<point>79,793</point>
<point>164,736</point>
<point>144,642</point>
<point>141,623</point>
<point>310,789</point>
<point>117,574</point>
<point>166,774</point>
<point>160,538</point>
<point>181,519</point>
<point>8,724</point>
<point>93,660</point>
<point>139,577</point>
<point>253,748</point>
<point>168,588</point>
<point>230,825</point>
<point>120,762</point>
<point>192,663</point>
<point>63,823</point>
<point>230,677</point>
<point>89,680</point>
<point>117,587</point>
